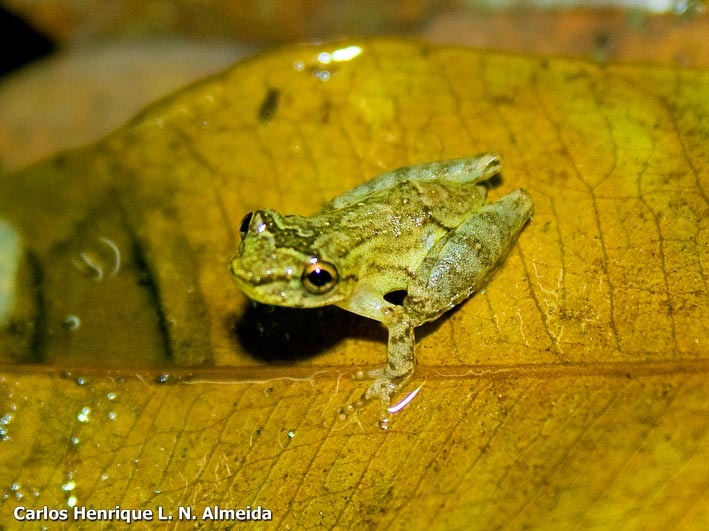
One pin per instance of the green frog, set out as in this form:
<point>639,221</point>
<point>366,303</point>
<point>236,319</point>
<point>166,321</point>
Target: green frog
<point>402,248</point>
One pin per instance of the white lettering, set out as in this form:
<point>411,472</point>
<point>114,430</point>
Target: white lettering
<point>185,513</point>
<point>22,514</point>
<point>216,513</point>
<point>112,515</point>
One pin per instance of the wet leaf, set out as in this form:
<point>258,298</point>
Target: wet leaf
<point>571,393</point>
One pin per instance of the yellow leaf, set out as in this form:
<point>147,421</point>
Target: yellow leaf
<point>572,393</point>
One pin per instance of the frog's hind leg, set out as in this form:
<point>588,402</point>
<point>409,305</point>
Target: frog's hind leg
<point>462,262</point>
<point>467,170</point>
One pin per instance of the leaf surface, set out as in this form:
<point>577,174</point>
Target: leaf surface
<point>572,392</point>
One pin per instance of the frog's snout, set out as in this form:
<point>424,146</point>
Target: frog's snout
<point>237,272</point>
<point>233,269</point>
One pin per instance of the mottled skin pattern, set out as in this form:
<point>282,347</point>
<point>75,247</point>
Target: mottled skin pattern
<point>426,230</point>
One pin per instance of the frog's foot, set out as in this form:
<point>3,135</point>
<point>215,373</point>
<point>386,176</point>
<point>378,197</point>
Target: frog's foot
<point>397,371</point>
<point>383,388</point>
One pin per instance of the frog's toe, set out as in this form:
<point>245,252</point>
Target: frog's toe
<point>382,388</point>
<point>372,374</point>
<point>377,374</point>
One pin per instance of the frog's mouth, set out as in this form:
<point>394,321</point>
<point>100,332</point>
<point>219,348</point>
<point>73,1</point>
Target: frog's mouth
<point>255,273</point>
<point>264,288</point>
<point>284,286</point>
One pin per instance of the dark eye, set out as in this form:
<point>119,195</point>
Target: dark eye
<point>319,277</point>
<point>245,221</point>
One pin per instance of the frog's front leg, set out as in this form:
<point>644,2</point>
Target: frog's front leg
<point>400,357</point>
<point>369,302</point>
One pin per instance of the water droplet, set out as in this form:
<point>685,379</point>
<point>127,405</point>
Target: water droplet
<point>322,75</point>
<point>71,322</point>
<point>83,415</point>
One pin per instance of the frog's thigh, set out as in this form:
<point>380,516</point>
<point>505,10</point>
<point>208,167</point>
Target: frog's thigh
<point>461,262</point>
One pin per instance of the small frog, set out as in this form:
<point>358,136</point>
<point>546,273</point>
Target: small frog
<point>402,248</point>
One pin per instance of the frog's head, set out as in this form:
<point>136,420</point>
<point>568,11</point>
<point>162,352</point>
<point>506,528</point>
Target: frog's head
<point>276,263</point>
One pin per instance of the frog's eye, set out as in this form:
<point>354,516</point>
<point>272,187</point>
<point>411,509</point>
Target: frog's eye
<point>319,277</point>
<point>245,222</point>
